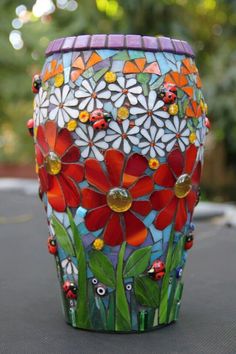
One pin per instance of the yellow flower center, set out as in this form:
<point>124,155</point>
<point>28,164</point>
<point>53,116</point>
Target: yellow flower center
<point>153,164</point>
<point>119,199</point>
<point>183,186</point>
<point>52,163</point>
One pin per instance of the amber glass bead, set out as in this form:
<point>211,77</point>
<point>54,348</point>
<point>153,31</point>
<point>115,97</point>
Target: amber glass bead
<point>52,164</point>
<point>173,109</point>
<point>119,199</point>
<point>183,186</point>
<point>59,80</point>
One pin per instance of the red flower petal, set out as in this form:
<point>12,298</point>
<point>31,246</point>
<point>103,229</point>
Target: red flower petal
<point>92,199</point>
<point>176,162</point>
<point>72,155</point>
<point>191,200</point>
<point>41,140</point>
<point>114,160</point>
<point>55,195</point>
<point>70,191</point>
<point>51,134</point>
<point>96,176</point>
<point>181,215</point>
<point>97,218</point>
<point>196,174</point>
<point>164,177</point>
<point>43,176</point>
<point>160,199</point>
<point>135,167</point>
<point>142,207</point>
<point>63,142</point>
<point>113,234</point>
<point>142,187</point>
<point>136,231</point>
<point>39,155</point>
<point>190,158</point>
<point>166,216</point>
<point>75,171</point>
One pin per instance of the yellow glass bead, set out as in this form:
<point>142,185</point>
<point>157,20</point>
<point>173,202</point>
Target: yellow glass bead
<point>59,80</point>
<point>119,199</point>
<point>173,109</point>
<point>183,186</point>
<point>84,116</point>
<point>192,137</point>
<point>123,113</point>
<point>110,77</point>
<point>52,163</point>
<point>153,164</point>
<point>71,125</point>
<point>98,244</point>
<point>36,168</point>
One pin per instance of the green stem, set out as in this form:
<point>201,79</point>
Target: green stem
<point>122,321</point>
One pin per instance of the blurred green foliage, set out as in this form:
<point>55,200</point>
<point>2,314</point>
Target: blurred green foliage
<point>208,25</point>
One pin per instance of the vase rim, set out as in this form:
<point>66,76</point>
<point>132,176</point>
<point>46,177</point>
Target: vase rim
<point>119,42</point>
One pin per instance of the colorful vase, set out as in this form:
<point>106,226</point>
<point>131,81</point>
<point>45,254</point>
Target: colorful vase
<point>119,129</point>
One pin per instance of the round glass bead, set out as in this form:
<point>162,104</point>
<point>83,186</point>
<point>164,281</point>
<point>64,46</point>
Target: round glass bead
<point>173,109</point>
<point>123,113</point>
<point>119,199</point>
<point>110,77</point>
<point>52,163</point>
<point>59,80</point>
<point>183,186</point>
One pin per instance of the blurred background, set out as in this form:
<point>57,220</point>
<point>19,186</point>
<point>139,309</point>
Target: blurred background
<point>27,26</point>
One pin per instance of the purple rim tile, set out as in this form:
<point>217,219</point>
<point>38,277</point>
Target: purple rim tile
<point>119,41</point>
<point>82,42</point>
<point>98,41</point>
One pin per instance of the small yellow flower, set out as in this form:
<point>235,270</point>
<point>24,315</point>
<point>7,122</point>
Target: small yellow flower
<point>98,244</point>
<point>192,137</point>
<point>71,125</point>
<point>110,77</point>
<point>153,164</point>
<point>123,113</point>
<point>59,80</point>
<point>84,116</point>
<point>173,109</point>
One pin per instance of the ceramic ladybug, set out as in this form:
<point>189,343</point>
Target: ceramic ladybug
<point>168,92</point>
<point>30,126</point>
<point>52,245</point>
<point>157,269</point>
<point>36,83</point>
<point>188,242</point>
<point>70,289</point>
<point>99,119</point>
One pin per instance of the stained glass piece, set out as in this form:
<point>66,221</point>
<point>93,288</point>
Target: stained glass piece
<point>59,80</point>
<point>190,158</point>
<point>41,139</point>
<point>97,218</point>
<point>135,167</point>
<point>160,199</point>
<point>113,234</point>
<point>176,162</point>
<point>119,199</point>
<point>43,179</point>
<point>39,155</point>
<point>63,142</point>
<point>142,187</point>
<point>75,171</point>
<point>152,69</point>
<point>164,177</point>
<point>183,186</point>
<point>114,160</point>
<point>52,163</point>
<point>136,231</point>
<point>197,174</point>
<point>70,190</point>
<point>92,199</point>
<point>71,155</point>
<point>96,176</point>
<point>142,207</point>
<point>191,200</point>
<point>165,217</point>
<point>181,215</point>
<point>55,195</point>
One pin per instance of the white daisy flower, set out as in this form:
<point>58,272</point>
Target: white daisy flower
<point>178,134</point>
<point>90,142</point>
<point>41,104</point>
<point>153,145</point>
<point>65,105</point>
<point>69,266</point>
<point>90,94</point>
<point>120,134</point>
<point>151,110</point>
<point>200,141</point>
<point>125,89</point>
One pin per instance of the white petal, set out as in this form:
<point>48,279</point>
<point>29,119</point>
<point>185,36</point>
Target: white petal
<point>81,142</point>
<point>134,140</point>
<point>90,133</point>
<point>116,96</point>
<point>100,86</point>
<point>121,81</point>
<point>120,101</point>
<point>81,134</point>
<point>115,126</point>
<point>85,152</point>
<point>114,87</point>
<point>70,103</point>
<point>181,145</point>
<point>57,93</point>
<point>145,133</point>
<point>65,115</point>
<point>147,122</point>
<point>100,135</point>
<point>125,125</point>
<point>167,137</point>
<point>139,121</point>
<point>158,105</point>
<point>60,120</point>
<point>152,99</point>
<point>170,126</point>
<point>182,125</point>
<point>69,268</point>
<point>145,151</point>
<point>158,121</point>
<point>159,151</point>
<point>176,123</point>
<point>54,100</point>
<point>134,130</point>
<point>133,100</point>
<point>98,103</point>
<point>159,134</point>
<point>185,140</point>
<point>186,132</point>
<point>72,112</point>
<point>53,113</point>
<point>84,103</point>
<point>117,143</point>
<point>64,263</point>
<point>90,105</point>
<point>161,114</point>
<point>87,86</point>
<point>152,152</point>
<point>153,131</point>
<point>170,145</point>
<point>82,94</point>
<point>102,145</point>
<point>112,137</point>
<point>143,102</point>
<point>143,144</point>
<point>130,82</point>
<point>97,154</point>
<point>65,92</point>
<point>127,147</point>
<point>105,95</point>
<point>136,90</point>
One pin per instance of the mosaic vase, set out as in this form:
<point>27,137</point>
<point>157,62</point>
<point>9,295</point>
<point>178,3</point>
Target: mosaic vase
<point>119,128</point>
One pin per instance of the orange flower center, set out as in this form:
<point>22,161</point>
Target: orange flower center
<point>119,199</point>
<point>149,113</point>
<point>61,105</point>
<point>94,95</point>
<point>125,91</point>
<point>52,163</point>
<point>183,186</point>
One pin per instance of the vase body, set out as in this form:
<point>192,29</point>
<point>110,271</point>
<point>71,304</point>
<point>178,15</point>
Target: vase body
<point>119,129</point>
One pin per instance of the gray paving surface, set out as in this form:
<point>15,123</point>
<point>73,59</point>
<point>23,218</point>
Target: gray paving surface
<point>30,315</point>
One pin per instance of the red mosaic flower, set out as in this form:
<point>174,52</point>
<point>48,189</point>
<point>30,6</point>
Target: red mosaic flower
<point>58,169</point>
<point>180,177</point>
<point>114,202</point>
